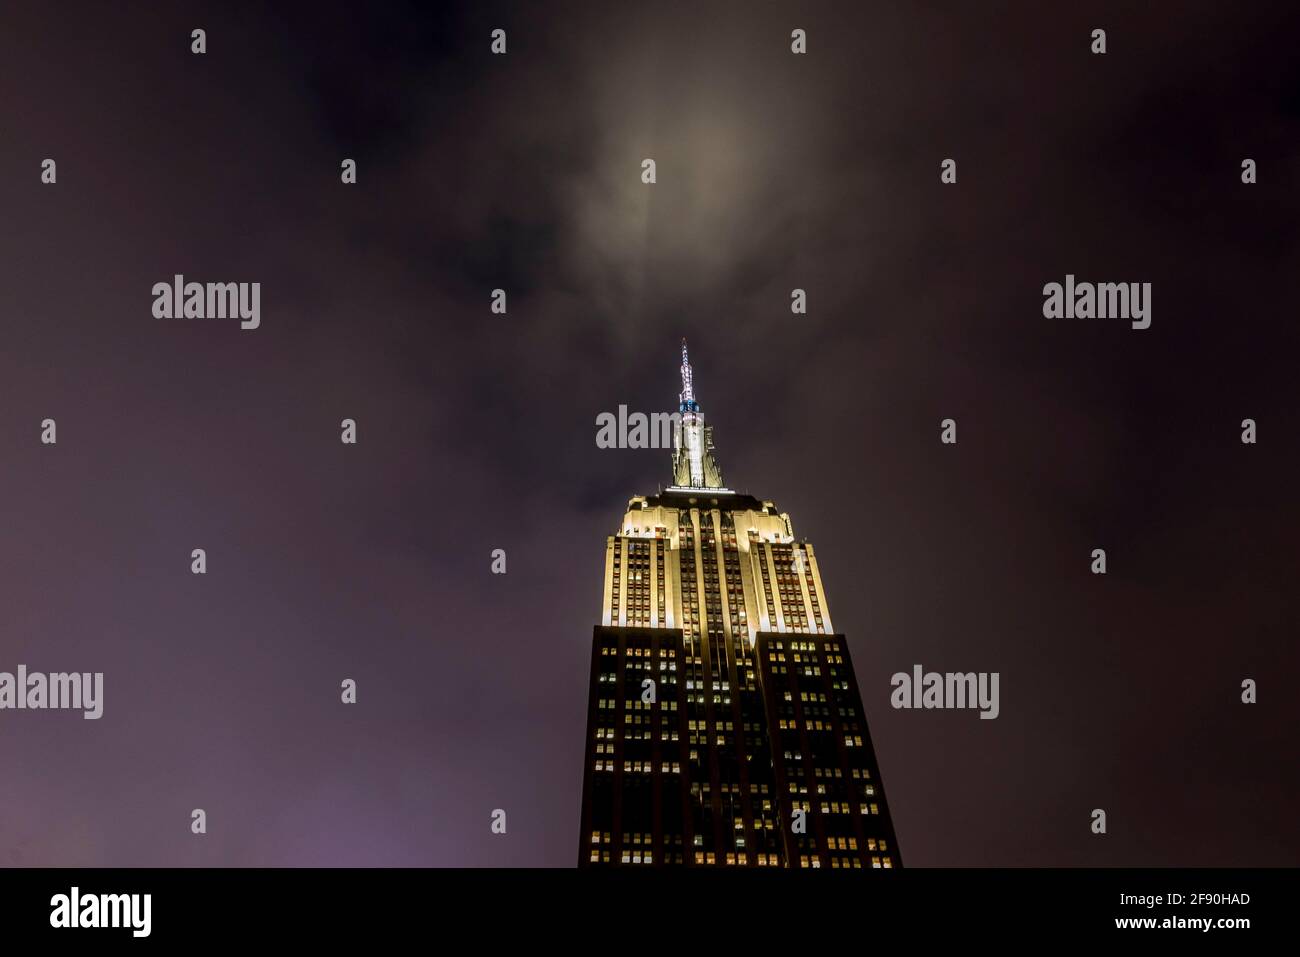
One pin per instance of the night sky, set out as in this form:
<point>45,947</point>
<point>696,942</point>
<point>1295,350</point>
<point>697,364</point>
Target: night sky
<point>476,431</point>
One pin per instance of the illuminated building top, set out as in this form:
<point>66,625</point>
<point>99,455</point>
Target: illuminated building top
<point>724,722</point>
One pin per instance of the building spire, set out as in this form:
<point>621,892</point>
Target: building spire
<point>694,464</point>
<point>686,401</point>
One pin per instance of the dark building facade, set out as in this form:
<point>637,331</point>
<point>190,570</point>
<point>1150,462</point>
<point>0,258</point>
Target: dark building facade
<point>724,722</point>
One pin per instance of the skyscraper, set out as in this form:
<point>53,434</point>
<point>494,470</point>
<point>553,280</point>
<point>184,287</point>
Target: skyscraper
<point>724,724</point>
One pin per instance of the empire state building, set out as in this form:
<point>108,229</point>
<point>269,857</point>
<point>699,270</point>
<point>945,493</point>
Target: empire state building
<point>724,723</point>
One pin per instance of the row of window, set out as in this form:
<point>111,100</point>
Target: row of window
<point>640,767</point>
<point>845,863</point>
<point>639,651</point>
<point>634,704</point>
<point>793,724</point>
<point>855,773</point>
<point>739,859</point>
<point>797,787</point>
<point>732,788</point>
<point>665,737</point>
<point>635,838</point>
